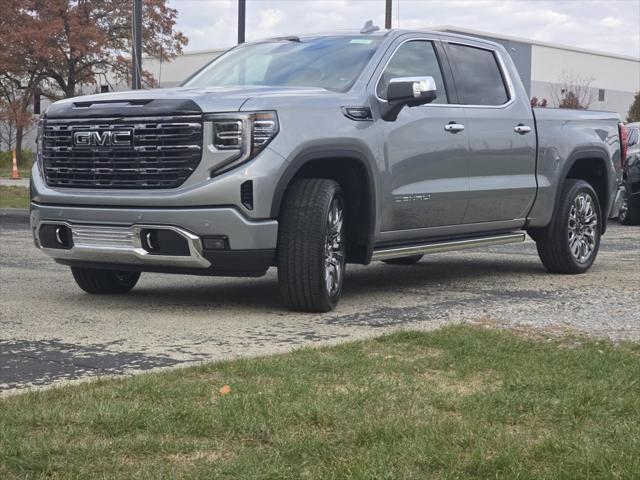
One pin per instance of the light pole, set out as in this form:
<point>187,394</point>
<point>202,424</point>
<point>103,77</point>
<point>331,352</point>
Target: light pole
<point>136,58</point>
<point>242,13</point>
<point>387,15</point>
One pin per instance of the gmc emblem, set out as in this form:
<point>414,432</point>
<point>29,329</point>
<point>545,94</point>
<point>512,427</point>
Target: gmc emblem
<point>118,138</point>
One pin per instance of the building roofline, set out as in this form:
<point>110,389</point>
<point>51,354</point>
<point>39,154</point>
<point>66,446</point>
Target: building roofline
<point>193,52</point>
<point>470,31</point>
<point>442,29</point>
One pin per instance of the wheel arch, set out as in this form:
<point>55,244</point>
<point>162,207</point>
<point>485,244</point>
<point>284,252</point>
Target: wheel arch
<point>352,170</point>
<point>591,165</point>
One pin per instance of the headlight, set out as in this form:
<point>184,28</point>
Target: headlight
<point>245,133</point>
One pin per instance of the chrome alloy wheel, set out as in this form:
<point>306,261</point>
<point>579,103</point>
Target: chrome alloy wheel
<point>334,248</point>
<point>582,227</point>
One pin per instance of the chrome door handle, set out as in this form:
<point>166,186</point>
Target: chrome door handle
<point>454,127</point>
<point>522,129</point>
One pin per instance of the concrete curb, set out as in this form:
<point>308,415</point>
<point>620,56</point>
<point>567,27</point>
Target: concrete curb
<point>22,182</point>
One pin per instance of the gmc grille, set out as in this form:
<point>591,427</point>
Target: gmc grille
<point>158,152</point>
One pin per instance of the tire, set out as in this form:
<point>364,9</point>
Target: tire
<point>571,241</point>
<point>410,260</point>
<point>630,209</point>
<point>312,245</point>
<point>93,280</point>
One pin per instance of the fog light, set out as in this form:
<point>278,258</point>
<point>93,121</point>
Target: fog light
<point>214,243</point>
<point>164,242</point>
<point>53,235</point>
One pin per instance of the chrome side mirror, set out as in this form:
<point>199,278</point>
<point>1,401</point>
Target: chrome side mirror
<point>410,91</point>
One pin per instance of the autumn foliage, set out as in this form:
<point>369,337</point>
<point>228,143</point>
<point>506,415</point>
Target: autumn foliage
<point>58,46</point>
<point>634,110</point>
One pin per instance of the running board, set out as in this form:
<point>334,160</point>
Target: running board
<point>435,247</point>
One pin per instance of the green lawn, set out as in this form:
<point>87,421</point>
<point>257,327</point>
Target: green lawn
<point>461,402</point>
<point>5,172</point>
<point>14,197</point>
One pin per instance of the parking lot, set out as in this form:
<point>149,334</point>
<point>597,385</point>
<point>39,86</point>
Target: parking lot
<point>51,332</point>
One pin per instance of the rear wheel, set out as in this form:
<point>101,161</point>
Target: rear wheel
<point>94,280</point>
<point>571,241</point>
<point>312,245</point>
<point>410,260</point>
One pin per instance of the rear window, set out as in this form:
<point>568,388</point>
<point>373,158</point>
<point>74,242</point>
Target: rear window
<point>478,76</point>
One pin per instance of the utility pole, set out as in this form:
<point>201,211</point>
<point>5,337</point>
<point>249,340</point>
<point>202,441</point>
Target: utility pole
<point>136,57</point>
<point>242,13</point>
<point>387,15</point>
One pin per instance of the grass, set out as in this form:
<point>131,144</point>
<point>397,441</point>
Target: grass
<point>25,170</point>
<point>24,165</point>
<point>14,197</point>
<point>5,172</point>
<point>461,402</point>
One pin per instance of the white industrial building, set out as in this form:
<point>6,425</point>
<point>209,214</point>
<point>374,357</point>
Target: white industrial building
<point>613,79</point>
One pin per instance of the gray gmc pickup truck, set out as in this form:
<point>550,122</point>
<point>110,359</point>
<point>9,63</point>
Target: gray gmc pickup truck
<point>307,153</point>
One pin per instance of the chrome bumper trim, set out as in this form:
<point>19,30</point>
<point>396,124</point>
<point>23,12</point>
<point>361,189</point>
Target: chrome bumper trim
<point>105,244</point>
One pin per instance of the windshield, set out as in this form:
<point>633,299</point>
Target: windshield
<point>333,63</point>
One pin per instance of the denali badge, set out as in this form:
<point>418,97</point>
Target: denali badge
<point>411,198</point>
<point>122,138</point>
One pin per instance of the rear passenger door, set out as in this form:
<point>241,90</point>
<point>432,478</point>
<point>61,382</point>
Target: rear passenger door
<point>502,139</point>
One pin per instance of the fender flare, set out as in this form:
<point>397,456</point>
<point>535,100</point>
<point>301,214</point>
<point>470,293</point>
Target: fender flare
<point>317,153</point>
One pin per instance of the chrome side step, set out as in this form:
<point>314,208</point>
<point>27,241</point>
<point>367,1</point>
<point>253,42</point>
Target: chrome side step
<point>435,247</point>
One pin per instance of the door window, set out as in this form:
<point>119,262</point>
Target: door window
<point>414,59</point>
<point>478,77</point>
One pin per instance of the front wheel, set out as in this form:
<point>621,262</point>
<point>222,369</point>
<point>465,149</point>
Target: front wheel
<point>312,245</point>
<point>94,280</point>
<point>571,241</point>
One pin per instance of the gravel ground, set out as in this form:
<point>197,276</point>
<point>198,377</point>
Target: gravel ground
<point>51,332</point>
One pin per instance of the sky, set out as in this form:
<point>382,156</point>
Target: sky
<point>605,25</point>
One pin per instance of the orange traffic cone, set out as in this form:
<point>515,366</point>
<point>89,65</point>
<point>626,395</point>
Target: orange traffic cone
<point>15,175</point>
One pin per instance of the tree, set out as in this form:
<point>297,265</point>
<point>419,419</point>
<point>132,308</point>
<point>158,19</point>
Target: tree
<point>79,40</point>
<point>94,36</point>
<point>20,73</point>
<point>573,91</point>
<point>634,110</point>
<point>538,103</point>
<point>58,45</point>
<point>15,116</point>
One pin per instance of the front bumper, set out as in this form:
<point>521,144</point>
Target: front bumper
<point>115,238</point>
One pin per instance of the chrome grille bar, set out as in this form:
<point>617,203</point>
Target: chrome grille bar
<point>163,152</point>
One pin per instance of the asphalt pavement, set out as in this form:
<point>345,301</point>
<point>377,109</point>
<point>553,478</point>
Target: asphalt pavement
<point>52,333</point>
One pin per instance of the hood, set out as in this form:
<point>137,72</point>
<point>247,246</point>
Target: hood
<point>170,101</point>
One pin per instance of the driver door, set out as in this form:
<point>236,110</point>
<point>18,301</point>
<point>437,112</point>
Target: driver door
<point>428,184</point>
